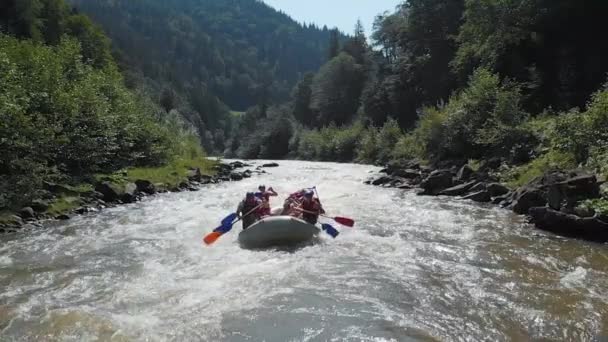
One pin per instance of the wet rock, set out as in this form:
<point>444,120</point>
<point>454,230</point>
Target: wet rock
<point>589,228</point>
<point>111,192</point>
<point>81,210</point>
<point>270,165</point>
<point>436,182</point>
<point>525,198</point>
<point>194,174</point>
<point>40,205</point>
<point>501,199</point>
<point>206,179</point>
<point>128,195</point>
<point>236,176</point>
<point>482,196</point>
<point>161,187</point>
<point>62,217</point>
<point>480,186</point>
<point>458,190</point>
<point>405,173</point>
<point>238,164</point>
<point>13,221</point>
<point>145,186</point>
<point>382,180</point>
<point>27,213</point>
<point>464,173</point>
<point>497,189</point>
<point>246,174</point>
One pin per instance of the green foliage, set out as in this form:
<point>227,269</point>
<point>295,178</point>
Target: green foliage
<point>336,90</point>
<point>584,134</point>
<point>330,143</point>
<point>523,174</point>
<point>598,205</point>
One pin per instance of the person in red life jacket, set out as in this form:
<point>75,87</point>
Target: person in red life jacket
<point>264,196</point>
<point>292,202</point>
<point>311,208</point>
<point>250,206</point>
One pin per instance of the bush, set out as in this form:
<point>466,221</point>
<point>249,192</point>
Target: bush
<point>63,118</point>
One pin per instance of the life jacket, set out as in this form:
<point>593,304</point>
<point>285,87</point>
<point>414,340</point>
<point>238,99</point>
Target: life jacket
<point>249,206</point>
<point>312,206</point>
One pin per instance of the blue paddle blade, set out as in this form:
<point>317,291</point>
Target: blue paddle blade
<point>329,229</point>
<point>228,219</point>
<point>225,228</point>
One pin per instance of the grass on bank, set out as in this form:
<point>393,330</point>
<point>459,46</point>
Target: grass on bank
<point>173,173</point>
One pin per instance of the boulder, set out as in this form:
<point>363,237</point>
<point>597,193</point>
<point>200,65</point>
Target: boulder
<point>145,186</point>
<point>129,193</point>
<point>110,191</point>
<point>501,199</point>
<point>27,213</point>
<point>382,180</point>
<point>405,173</point>
<point>238,164</point>
<point>40,205</point>
<point>206,179</point>
<point>236,176</point>
<point>62,217</point>
<point>482,196</point>
<point>464,173</point>
<point>161,187</point>
<point>194,174</point>
<point>12,221</point>
<point>589,228</point>
<point>525,198</point>
<point>458,190</point>
<point>246,174</point>
<point>270,165</point>
<point>497,189</point>
<point>480,186</point>
<point>436,182</point>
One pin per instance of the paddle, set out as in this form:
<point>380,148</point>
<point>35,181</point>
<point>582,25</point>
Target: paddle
<point>329,229</point>
<point>345,221</point>
<point>226,226</point>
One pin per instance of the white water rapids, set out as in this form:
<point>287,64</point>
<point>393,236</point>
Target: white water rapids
<point>413,269</point>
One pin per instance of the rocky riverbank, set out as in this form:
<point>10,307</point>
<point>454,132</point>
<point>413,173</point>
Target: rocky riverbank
<point>552,202</point>
<point>61,202</point>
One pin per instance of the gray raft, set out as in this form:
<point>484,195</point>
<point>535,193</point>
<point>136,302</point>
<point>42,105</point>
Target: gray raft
<point>277,231</point>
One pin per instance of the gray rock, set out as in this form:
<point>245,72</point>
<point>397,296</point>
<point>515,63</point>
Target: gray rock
<point>62,217</point>
<point>236,176</point>
<point>436,182</point>
<point>194,174</point>
<point>111,192</point>
<point>497,189</point>
<point>478,187</point>
<point>458,190</point>
<point>145,186</point>
<point>526,198</point>
<point>382,180</point>
<point>589,228</point>
<point>270,165</point>
<point>27,213</point>
<point>407,173</point>
<point>482,196</point>
<point>128,195</point>
<point>40,205</point>
<point>464,173</point>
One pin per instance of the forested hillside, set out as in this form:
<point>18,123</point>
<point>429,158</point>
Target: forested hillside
<point>520,81</point>
<point>190,53</point>
<point>65,113</point>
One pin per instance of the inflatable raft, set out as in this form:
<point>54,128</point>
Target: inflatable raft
<point>277,231</point>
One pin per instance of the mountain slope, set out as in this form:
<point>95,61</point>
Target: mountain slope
<point>243,51</point>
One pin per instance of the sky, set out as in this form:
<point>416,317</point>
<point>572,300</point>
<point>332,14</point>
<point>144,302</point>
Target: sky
<point>339,13</point>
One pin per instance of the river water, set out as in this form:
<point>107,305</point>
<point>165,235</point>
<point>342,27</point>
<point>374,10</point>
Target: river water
<point>413,269</point>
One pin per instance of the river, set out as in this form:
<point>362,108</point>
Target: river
<point>413,269</point>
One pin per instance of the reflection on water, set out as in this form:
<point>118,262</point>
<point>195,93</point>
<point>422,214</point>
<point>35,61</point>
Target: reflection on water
<point>414,268</point>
